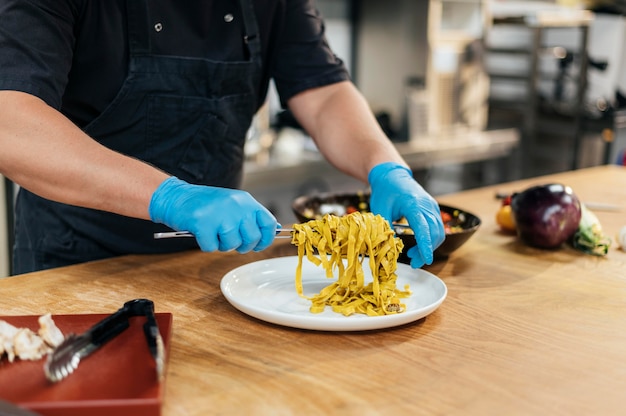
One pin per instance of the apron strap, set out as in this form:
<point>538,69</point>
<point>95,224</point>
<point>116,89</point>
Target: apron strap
<point>251,36</point>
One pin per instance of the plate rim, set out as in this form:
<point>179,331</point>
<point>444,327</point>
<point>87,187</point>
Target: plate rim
<point>326,323</point>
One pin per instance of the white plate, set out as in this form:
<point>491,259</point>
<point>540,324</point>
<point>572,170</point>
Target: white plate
<point>266,290</point>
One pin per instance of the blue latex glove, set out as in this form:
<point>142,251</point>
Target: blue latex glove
<point>395,194</point>
<point>220,218</point>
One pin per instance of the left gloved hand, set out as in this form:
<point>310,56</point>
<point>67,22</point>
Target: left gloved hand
<point>220,218</point>
<point>395,194</point>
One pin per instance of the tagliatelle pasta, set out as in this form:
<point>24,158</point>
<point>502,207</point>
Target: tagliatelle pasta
<point>342,244</point>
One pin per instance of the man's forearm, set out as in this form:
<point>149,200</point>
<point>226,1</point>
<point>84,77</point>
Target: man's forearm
<point>47,154</point>
<point>346,132</point>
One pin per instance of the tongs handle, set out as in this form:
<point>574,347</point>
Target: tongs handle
<point>174,234</point>
<point>109,327</point>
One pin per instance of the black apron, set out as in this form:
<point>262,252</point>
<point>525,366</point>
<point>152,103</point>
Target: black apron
<point>187,116</point>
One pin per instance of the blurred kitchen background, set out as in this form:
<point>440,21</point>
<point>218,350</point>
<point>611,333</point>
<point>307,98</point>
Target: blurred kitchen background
<point>473,93</point>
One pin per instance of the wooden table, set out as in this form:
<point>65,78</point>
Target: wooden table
<point>523,331</point>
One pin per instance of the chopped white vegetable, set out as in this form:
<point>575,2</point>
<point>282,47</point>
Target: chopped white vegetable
<point>589,236</point>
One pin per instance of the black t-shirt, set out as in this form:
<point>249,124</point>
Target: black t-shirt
<point>73,54</point>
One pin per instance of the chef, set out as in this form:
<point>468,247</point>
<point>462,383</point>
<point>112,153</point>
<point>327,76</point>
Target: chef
<point>122,118</point>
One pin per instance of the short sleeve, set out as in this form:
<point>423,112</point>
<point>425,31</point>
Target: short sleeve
<point>36,40</point>
<point>304,59</point>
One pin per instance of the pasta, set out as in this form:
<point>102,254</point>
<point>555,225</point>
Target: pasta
<point>342,244</point>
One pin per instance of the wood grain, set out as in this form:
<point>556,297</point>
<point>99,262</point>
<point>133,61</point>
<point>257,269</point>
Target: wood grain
<point>523,331</point>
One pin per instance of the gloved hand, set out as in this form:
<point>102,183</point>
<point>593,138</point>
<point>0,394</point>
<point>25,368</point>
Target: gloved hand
<point>395,194</point>
<point>220,218</point>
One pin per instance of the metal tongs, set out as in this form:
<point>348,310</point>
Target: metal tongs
<point>175,234</point>
<point>64,359</point>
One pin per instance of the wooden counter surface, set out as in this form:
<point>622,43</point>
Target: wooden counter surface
<point>523,331</point>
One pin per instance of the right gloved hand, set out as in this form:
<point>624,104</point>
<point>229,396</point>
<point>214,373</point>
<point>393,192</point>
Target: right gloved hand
<point>395,194</point>
<point>220,218</point>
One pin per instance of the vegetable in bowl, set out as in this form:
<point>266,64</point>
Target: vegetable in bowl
<point>459,224</point>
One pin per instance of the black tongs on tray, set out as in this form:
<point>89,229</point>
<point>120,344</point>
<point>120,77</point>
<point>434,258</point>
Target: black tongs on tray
<point>64,359</point>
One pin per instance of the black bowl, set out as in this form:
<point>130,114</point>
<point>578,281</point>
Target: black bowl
<point>461,227</point>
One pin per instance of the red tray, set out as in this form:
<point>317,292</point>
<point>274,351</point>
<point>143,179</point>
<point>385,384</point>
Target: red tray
<point>118,379</point>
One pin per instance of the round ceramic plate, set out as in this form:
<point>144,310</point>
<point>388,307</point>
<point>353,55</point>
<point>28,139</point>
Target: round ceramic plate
<point>266,290</point>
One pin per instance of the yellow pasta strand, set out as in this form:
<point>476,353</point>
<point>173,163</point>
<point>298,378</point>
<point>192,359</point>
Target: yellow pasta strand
<point>342,244</point>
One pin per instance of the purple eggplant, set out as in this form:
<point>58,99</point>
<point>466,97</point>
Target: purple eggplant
<point>546,216</point>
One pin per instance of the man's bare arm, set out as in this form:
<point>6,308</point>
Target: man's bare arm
<point>47,154</point>
<point>342,125</point>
